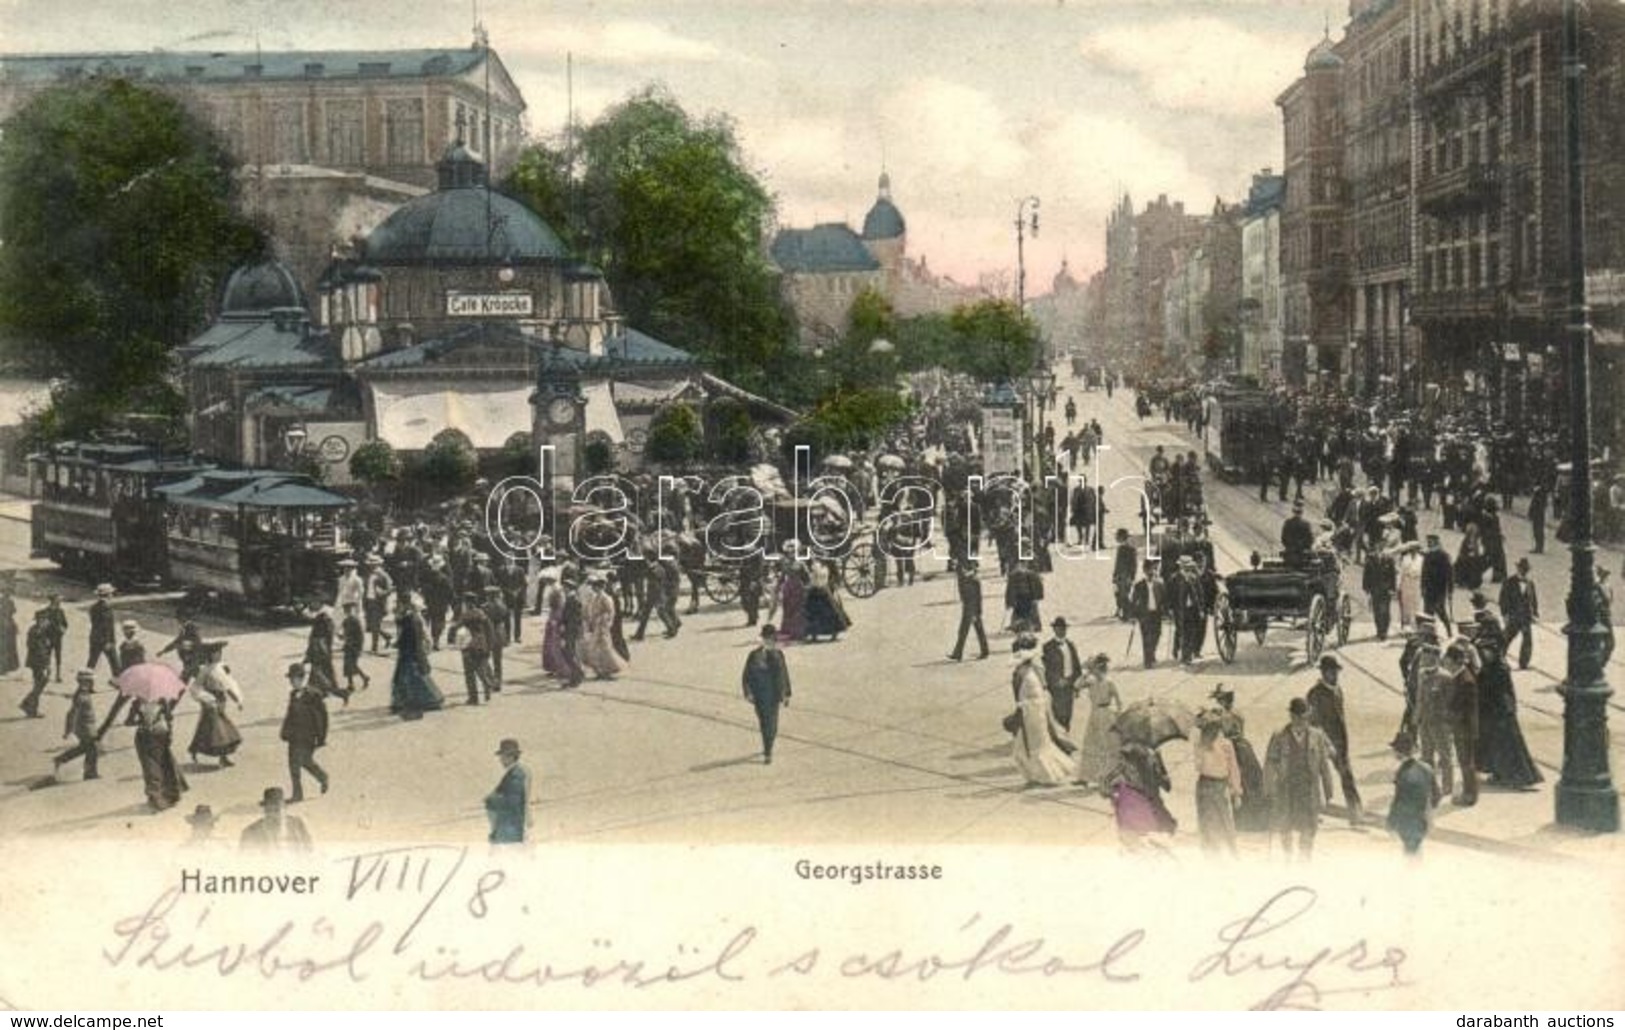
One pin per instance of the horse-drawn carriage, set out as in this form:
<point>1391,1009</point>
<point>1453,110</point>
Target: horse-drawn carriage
<point>823,530</point>
<point>1307,596</point>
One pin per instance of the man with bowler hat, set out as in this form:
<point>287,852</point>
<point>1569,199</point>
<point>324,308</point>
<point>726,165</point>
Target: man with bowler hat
<point>1520,607</point>
<point>304,729</point>
<point>766,682</point>
<point>1148,601</point>
<point>1325,701</point>
<point>1062,670</point>
<point>508,806</point>
<point>970,609</point>
<point>276,830</point>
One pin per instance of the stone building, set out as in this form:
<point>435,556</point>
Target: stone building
<point>1314,250</point>
<point>1261,307</point>
<point>329,142</point>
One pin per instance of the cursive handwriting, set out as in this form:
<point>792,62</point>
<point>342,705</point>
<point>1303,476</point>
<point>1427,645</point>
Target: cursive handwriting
<point>180,933</point>
<point>1354,965</point>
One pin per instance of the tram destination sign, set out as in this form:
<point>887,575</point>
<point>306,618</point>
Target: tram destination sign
<point>485,305</point>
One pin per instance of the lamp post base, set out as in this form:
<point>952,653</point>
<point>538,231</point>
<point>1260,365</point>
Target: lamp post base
<point>1588,807</point>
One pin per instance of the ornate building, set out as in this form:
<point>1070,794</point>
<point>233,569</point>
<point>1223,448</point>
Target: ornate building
<point>1261,308</point>
<point>329,142</point>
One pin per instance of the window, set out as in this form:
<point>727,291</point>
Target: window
<point>403,120</point>
<point>288,134</point>
<point>346,144</point>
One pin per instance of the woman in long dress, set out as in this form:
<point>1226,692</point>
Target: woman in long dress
<point>1135,787</point>
<point>554,662</point>
<point>216,735</point>
<point>1502,752</point>
<point>1218,784</point>
<point>1097,750</point>
<point>1254,812</point>
<point>160,776</point>
<point>597,644</point>
<point>9,659</point>
<point>791,598</point>
<point>1470,559</point>
<point>824,615</point>
<point>1037,741</point>
<point>412,691</point>
<point>1408,566</point>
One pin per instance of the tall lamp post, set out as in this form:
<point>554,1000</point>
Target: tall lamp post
<point>1026,221</point>
<point>1586,797</point>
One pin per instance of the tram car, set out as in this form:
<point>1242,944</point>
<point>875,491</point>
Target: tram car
<point>1246,427</point>
<point>97,512</point>
<point>269,538</point>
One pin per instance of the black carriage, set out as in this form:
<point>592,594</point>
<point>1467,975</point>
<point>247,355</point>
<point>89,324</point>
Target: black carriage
<point>1307,597</point>
<point>97,511</point>
<point>270,539</point>
<point>819,531</point>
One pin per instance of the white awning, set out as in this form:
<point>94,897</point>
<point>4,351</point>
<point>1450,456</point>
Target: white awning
<point>601,416</point>
<point>410,416</point>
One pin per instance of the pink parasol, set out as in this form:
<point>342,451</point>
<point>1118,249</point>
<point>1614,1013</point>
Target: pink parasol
<point>150,681</point>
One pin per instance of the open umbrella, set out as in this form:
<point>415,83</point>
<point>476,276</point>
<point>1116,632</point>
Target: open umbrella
<point>838,461</point>
<point>1154,723</point>
<point>890,461</point>
<point>150,681</point>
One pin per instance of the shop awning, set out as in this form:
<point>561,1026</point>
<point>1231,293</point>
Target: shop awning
<point>409,415</point>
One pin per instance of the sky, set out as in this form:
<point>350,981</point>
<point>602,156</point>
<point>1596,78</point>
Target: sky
<point>970,106</point>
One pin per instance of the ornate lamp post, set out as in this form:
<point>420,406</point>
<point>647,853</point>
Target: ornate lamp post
<point>1586,797</point>
<point>293,441</point>
<point>1026,221</point>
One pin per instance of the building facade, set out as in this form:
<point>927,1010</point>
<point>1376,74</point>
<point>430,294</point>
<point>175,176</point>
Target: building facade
<point>1262,314</point>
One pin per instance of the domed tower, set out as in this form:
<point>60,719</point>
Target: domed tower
<point>1064,283</point>
<point>261,291</point>
<point>884,231</point>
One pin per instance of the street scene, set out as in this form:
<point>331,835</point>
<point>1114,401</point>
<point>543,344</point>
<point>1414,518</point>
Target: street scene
<point>388,458</point>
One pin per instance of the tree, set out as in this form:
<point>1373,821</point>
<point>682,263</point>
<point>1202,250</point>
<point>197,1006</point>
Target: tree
<point>994,341</point>
<point>449,465</point>
<point>117,212</point>
<point>674,435</point>
<point>667,208</point>
<point>734,427</point>
<point>375,463</point>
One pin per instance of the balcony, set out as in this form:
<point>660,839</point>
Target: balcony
<point>1472,187</point>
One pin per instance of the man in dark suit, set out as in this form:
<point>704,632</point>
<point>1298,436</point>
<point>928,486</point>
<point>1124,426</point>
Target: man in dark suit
<point>1185,598</point>
<point>1438,580</point>
<point>970,610</point>
<point>766,682</point>
<point>508,806</point>
<point>1538,498</point>
<point>1380,580</point>
<point>1084,514</point>
<point>1297,537</point>
<point>1520,607</point>
<point>304,730</point>
<point>476,627</point>
<point>1062,670</point>
<point>1127,560</point>
<point>1325,700</point>
<point>103,630</point>
<point>1148,600</point>
<point>1415,794</point>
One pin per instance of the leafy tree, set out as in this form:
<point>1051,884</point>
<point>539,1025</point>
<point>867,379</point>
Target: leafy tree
<point>994,340</point>
<point>847,420</point>
<point>734,427</point>
<point>117,212</point>
<point>674,435</point>
<point>598,453</point>
<point>666,206</point>
<point>375,463</point>
<point>449,465</point>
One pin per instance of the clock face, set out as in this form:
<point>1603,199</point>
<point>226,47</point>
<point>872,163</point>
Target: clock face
<point>561,411</point>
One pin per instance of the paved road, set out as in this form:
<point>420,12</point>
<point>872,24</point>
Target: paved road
<point>886,741</point>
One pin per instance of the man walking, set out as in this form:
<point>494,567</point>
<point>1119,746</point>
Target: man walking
<point>1298,779</point>
<point>1126,561</point>
<point>1415,795</point>
<point>508,806</point>
<point>56,621</point>
<point>376,600</point>
<point>767,686</point>
<point>1148,601</point>
<point>1325,700</point>
<point>970,610</point>
<point>304,730</point>
<point>1438,581</point>
<point>1380,579</point>
<point>37,659</point>
<point>1538,498</point>
<point>1189,611</point>
<point>81,724</point>
<point>1062,670</point>
<point>103,630</point>
<point>1460,689</point>
<point>473,632</point>
<point>1520,609</point>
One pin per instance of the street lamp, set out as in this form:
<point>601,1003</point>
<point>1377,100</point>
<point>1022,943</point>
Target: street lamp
<point>1586,797</point>
<point>294,436</point>
<point>1026,221</point>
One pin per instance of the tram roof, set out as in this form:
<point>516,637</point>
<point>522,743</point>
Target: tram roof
<point>229,489</point>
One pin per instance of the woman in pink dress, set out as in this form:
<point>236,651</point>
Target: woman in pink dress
<point>554,662</point>
<point>791,599</point>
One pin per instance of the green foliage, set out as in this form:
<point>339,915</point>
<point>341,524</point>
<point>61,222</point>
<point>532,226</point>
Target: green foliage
<point>309,463</point>
<point>734,427</point>
<point>667,208</point>
<point>674,435</point>
<point>598,454</point>
<point>116,208</point>
<point>374,463</point>
<point>849,420</point>
<point>994,340</point>
<point>449,465</point>
<point>517,457</point>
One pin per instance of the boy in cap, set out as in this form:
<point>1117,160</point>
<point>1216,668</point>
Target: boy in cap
<point>354,637</point>
<point>131,651</point>
<point>508,806</point>
<point>81,723</point>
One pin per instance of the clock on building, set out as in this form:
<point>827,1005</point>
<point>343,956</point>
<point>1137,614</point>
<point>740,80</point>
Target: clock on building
<point>561,412</point>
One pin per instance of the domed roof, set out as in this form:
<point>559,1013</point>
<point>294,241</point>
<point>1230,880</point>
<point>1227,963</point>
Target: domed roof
<point>1323,57</point>
<point>464,220</point>
<point>254,291</point>
<point>884,221</point>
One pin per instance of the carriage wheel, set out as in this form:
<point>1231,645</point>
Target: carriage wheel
<point>1315,630</point>
<point>1345,619</point>
<point>858,571</point>
<point>722,587</point>
<point>1224,629</point>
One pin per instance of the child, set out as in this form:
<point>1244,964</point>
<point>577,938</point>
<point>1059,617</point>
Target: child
<point>354,634</point>
<point>81,723</point>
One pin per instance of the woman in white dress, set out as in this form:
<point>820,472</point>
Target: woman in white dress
<point>1097,750</point>
<point>1408,564</point>
<point>598,617</point>
<point>1038,738</point>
